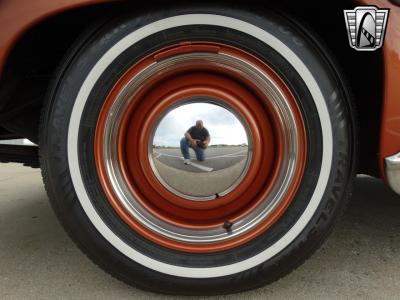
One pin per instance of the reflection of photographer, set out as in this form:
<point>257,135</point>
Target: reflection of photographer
<point>197,138</point>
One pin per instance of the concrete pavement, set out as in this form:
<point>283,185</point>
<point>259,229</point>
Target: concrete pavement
<point>215,158</point>
<point>361,259</point>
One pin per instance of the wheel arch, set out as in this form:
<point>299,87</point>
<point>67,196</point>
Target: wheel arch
<point>33,46</point>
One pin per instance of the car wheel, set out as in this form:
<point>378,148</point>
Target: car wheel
<point>101,112</point>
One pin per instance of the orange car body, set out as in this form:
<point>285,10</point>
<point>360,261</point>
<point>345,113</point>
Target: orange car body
<point>390,126</point>
<point>16,17</point>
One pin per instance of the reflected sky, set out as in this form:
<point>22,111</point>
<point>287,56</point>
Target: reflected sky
<point>223,126</point>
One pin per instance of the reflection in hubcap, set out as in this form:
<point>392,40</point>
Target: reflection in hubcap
<point>200,160</point>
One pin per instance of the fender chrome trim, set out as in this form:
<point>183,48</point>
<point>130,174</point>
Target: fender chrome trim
<point>392,171</point>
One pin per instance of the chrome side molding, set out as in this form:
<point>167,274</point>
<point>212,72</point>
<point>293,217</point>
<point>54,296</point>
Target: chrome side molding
<point>392,170</point>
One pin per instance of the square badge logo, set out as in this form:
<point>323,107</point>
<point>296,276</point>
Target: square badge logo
<point>366,26</point>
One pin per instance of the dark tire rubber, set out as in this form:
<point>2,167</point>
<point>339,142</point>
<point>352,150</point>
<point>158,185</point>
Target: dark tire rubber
<point>65,199</point>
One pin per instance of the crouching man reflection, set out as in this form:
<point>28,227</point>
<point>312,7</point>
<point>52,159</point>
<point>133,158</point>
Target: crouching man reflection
<point>197,138</point>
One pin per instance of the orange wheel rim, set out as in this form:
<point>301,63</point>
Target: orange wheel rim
<point>136,115</point>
